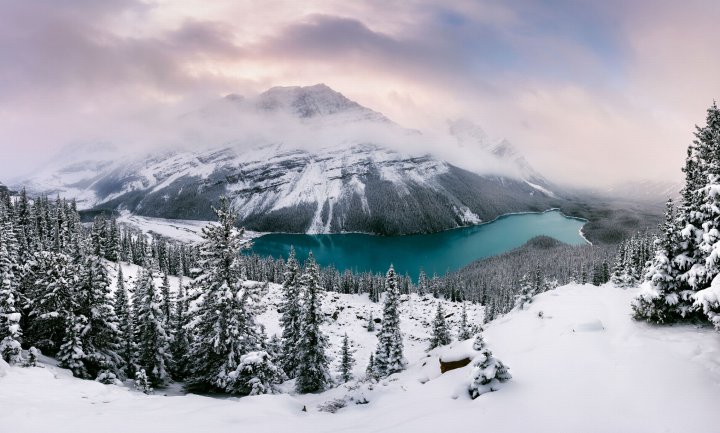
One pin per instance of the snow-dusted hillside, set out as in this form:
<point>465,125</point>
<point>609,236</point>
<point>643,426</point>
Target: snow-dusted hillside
<point>585,366</point>
<point>304,159</point>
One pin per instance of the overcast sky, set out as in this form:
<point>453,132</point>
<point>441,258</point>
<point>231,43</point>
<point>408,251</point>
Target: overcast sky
<point>591,91</point>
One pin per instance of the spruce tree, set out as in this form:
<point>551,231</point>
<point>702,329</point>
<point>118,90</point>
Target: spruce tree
<point>658,302</point>
<point>702,277</point>
<point>487,372</point>
<point>371,323</point>
<point>312,372</point>
<point>291,316</point>
<point>142,382</point>
<point>125,326</point>
<point>10,331</point>
<point>181,342</point>
<point>346,360</point>
<point>219,323</point>
<point>53,300</point>
<point>72,354</point>
<point>440,332</point>
<point>256,374</point>
<point>389,357</point>
<point>370,370</point>
<point>94,303</point>
<point>167,303</point>
<point>153,343</point>
<point>525,294</point>
<point>464,331</point>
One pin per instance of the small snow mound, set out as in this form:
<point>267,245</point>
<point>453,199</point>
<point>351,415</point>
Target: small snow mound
<point>4,367</point>
<point>458,352</point>
<point>591,326</point>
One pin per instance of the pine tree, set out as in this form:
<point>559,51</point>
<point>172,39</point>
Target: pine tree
<point>72,354</point>
<point>10,330</point>
<point>153,344</point>
<point>660,296</point>
<point>112,246</point>
<point>422,286</point>
<point>125,326</point>
<point>371,323</point>
<point>440,332</point>
<point>464,331</point>
<point>525,294</point>
<point>346,360</point>
<point>488,372</point>
<point>370,369</point>
<point>220,321</point>
<point>167,303</point>
<point>256,374</point>
<point>312,372</point>
<point>389,357</point>
<point>53,300</point>
<point>292,316</point>
<point>94,303</point>
<point>703,276</point>
<point>181,342</point>
<point>142,382</point>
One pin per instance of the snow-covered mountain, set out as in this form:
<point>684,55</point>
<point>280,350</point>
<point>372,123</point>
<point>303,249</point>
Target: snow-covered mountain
<point>335,168</point>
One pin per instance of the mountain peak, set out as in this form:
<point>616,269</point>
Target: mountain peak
<point>312,101</point>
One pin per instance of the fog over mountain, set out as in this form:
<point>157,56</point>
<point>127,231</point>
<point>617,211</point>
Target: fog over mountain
<point>303,159</point>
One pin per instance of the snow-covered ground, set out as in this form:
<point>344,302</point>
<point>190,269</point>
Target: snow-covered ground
<point>186,231</point>
<point>585,366</point>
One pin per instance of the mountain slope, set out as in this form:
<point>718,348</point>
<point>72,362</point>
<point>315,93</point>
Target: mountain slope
<point>586,366</point>
<point>331,166</point>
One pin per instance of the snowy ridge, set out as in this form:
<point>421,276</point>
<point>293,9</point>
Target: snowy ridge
<point>321,163</point>
<point>586,357</point>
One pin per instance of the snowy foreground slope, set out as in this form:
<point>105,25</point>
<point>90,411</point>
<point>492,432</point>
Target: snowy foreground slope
<point>586,366</point>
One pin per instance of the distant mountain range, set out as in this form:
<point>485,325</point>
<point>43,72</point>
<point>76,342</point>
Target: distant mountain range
<point>349,180</point>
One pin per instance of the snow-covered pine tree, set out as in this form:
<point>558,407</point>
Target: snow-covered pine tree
<point>389,357</point>
<point>422,285</point>
<point>464,329</point>
<point>292,316</point>
<point>153,344</point>
<point>440,333</point>
<point>525,294</point>
<point>168,303</point>
<point>142,382</point>
<point>370,369</point>
<point>99,236</point>
<point>704,290</point>
<point>347,361</point>
<point>180,344</point>
<point>371,323</point>
<point>112,247</point>
<point>10,331</point>
<point>487,372</point>
<point>312,372</point>
<point>71,354</point>
<point>126,333</point>
<point>658,301</point>
<point>94,303</point>
<point>217,339</point>
<point>256,374</point>
<point>52,301</point>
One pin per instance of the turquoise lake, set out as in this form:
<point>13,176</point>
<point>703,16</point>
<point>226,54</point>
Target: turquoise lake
<point>436,252</point>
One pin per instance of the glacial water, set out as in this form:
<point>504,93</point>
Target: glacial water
<point>435,253</point>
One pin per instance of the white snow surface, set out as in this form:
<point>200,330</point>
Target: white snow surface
<point>186,231</point>
<point>626,377</point>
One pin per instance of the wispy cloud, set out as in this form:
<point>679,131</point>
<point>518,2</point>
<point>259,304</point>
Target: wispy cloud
<point>585,89</point>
